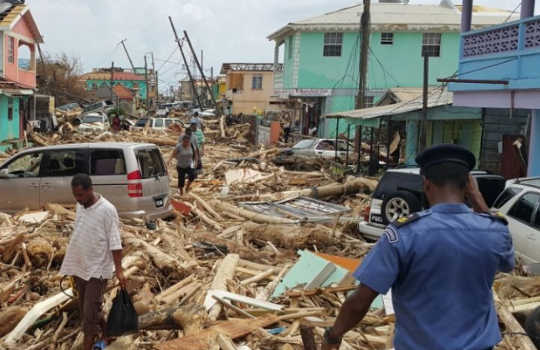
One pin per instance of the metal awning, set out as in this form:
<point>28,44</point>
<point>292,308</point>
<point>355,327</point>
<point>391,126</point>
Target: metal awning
<point>306,208</point>
<point>370,117</point>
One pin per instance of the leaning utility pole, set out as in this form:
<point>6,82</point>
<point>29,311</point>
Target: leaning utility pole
<point>364,54</point>
<point>155,78</point>
<point>127,54</point>
<point>195,94</point>
<point>200,69</point>
<point>147,87</point>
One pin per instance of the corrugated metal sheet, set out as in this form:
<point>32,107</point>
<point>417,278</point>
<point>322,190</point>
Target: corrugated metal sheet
<point>301,208</point>
<point>401,17</point>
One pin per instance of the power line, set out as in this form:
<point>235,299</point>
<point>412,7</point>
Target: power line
<point>512,13</point>
<point>168,60</point>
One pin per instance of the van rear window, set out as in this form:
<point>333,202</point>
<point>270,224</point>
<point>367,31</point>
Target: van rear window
<point>107,162</point>
<point>504,197</point>
<point>150,163</point>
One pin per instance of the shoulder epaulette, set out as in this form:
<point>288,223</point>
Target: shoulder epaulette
<point>411,218</point>
<point>496,215</point>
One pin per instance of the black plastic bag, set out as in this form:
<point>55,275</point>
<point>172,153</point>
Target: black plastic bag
<point>122,317</point>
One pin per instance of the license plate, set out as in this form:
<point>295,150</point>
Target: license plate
<point>159,203</point>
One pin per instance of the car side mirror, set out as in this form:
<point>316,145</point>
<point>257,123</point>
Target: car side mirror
<point>4,174</point>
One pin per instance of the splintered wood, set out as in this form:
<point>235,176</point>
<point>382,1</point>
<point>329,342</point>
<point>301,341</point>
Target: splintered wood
<point>216,253</point>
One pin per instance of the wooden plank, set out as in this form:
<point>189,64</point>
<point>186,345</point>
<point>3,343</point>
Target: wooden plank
<point>32,316</point>
<point>224,272</point>
<point>210,302</point>
<point>234,329</point>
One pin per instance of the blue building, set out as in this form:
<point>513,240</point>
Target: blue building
<point>499,67</point>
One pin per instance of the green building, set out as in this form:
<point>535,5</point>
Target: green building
<point>321,55</point>
<point>102,77</point>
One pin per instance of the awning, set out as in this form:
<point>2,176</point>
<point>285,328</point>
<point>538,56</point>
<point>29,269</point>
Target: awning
<point>16,92</point>
<point>370,117</point>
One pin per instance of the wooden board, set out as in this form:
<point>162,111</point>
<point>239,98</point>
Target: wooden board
<point>234,329</point>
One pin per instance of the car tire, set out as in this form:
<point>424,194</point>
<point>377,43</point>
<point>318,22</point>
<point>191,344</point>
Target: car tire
<point>399,204</point>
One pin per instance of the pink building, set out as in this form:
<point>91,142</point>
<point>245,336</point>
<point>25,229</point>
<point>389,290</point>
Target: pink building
<point>19,38</point>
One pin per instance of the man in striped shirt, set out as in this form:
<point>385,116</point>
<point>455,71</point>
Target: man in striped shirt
<point>93,254</point>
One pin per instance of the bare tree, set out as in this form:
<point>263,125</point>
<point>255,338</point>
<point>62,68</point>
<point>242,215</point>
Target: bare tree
<point>60,77</point>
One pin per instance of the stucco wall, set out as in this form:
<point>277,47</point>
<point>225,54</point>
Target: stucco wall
<point>248,99</point>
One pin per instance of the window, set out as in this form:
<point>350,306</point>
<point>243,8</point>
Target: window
<point>24,57</point>
<point>524,208</point>
<point>158,123</point>
<point>508,194</point>
<point>64,163</point>
<point>431,44</point>
<point>150,163</point>
<point>369,101</point>
<point>332,44</point>
<point>11,50</point>
<point>326,145</point>
<point>256,82</point>
<point>27,165</point>
<point>304,144</point>
<point>290,47</point>
<point>10,108</point>
<point>387,38</point>
<point>107,162</point>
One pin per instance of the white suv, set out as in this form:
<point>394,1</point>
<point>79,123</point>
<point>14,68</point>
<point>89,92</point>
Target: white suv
<point>520,203</point>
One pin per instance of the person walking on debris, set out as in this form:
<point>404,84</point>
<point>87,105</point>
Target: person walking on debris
<point>440,264</point>
<point>93,254</point>
<point>186,156</point>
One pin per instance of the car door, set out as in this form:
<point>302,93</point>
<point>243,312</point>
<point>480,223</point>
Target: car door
<point>59,166</point>
<point>524,233</point>
<point>326,149</point>
<point>19,186</point>
<point>154,177</point>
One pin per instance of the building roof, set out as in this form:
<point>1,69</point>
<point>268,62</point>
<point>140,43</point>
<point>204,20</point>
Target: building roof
<point>10,16</point>
<point>397,17</point>
<point>249,67</point>
<point>117,76</point>
<point>123,92</point>
<point>436,98</point>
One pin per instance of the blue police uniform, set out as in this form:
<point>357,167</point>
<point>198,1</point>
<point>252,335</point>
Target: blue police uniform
<point>440,264</point>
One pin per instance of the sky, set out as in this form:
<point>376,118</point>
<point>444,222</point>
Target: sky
<point>227,30</point>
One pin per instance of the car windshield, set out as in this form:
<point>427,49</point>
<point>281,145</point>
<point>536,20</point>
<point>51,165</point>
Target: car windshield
<point>304,144</point>
<point>530,182</point>
<point>92,119</point>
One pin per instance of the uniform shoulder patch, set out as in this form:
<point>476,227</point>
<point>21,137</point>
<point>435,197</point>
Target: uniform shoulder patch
<point>411,218</point>
<point>497,216</point>
<point>391,234</point>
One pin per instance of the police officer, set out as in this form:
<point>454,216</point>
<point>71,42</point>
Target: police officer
<point>440,264</point>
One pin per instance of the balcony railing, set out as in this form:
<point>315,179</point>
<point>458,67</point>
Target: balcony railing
<point>507,52</point>
<point>505,38</point>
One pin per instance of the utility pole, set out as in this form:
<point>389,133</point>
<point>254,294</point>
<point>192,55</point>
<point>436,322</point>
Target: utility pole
<point>423,122</point>
<point>127,54</point>
<point>147,87</point>
<point>195,94</point>
<point>362,75</point>
<point>200,69</point>
<point>364,54</point>
<point>155,79</point>
<point>112,82</point>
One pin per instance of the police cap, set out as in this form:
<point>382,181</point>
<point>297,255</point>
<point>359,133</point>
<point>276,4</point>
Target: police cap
<point>446,153</point>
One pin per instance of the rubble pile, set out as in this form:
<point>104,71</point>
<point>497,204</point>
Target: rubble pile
<point>221,275</point>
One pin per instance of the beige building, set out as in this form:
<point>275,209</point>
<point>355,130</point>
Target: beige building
<point>249,86</point>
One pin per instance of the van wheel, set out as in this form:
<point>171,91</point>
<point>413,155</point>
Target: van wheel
<point>399,204</point>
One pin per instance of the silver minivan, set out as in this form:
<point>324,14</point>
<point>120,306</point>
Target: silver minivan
<point>132,176</point>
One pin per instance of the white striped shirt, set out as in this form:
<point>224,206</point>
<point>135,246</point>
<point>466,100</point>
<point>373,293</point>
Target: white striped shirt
<point>95,236</point>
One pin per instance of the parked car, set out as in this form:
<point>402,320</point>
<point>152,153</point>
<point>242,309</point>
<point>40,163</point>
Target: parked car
<point>133,176</point>
<point>314,148</point>
<point>400,193</point>
<point>94,122</point>
<point>101,106</point>
<point>156,123</point>
<point>520,203</point>
<point>208,113</point>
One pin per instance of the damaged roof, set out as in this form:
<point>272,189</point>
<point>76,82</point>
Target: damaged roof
<point>107,76</point>
<point>11,15</point>
<point>397,17</point>
<point>436,97</point>
<point>248,67</point>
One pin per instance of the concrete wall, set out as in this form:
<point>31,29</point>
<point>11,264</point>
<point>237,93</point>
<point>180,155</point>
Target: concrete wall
<point>12,70</point>
<point>249,100</point>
